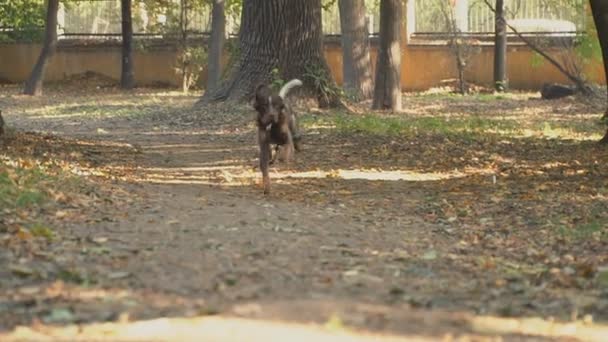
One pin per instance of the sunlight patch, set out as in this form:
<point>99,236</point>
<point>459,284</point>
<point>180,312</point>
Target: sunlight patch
<point>378,175</point>
<point>231,175</point>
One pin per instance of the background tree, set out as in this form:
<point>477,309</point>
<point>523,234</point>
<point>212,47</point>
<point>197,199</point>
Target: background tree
<point>461,45</point>
<point>281,35</point>
<point>127,78</point>
<point>580,83</point>
<point>387,90</point>
<point>599,9</point>
<point>25,17</point>
<point>216,44</point>
<point>355,49</point>
<point>33,85</point>
<point>500,48</point>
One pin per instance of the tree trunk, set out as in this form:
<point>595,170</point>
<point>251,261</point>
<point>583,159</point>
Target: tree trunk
<point>183,42</point>
<point>500,48</point>
<point>127,78</point>
<point>33,86</point>
<point>387,91</point>
<point>216,44</point>
<point>599,8</point>
<point>355,49</point>
<point>278,34</point>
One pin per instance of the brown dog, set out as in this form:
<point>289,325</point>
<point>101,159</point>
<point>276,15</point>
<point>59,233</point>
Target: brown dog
<point>276,125</point>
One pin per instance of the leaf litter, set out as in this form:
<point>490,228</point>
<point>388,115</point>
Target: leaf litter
<point>161,199</point>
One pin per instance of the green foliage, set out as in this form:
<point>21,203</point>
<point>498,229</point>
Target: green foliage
<point>234,7</point>
<point>537,60</point>
<point>322,82</point>
<point>22,21</point>
<point>173,22</point>
<point>276,81</point>
<point>328,4</point>
<point>588,47</point>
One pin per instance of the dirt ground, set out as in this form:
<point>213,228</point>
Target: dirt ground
<point>423,237</point>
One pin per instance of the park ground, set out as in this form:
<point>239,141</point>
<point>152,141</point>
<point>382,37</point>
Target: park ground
<point>139,216</point>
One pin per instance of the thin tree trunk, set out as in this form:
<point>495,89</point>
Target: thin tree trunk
<point>216,44</point>
<point>33,86</point>
<point>127,76</point>
<point>355,49</point>
<point>500,48</point>
<point>462,82</point>
<point>599,8</point>
<point>387,91</point>
<point>183,25</point>
<point>277,34</point>
<point>580,84</point>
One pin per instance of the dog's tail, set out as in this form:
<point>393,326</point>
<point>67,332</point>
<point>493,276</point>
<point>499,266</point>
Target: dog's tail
<point>287,87</point>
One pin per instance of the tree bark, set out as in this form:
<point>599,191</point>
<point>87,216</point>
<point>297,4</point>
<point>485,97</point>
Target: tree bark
<point>355,49</point>
<point>216,44</point>
<point>33,86</point>
<point>387,91</point>
<point>277,34</point>
<point>127,75</point>
<point>599,8</point>
<point>500,48</point>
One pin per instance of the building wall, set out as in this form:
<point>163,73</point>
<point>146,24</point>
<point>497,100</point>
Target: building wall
<point>423,67</point>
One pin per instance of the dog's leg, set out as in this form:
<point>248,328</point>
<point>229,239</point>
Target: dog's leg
<point>264,143</point>
<point>276,153</point>
<point>295,131</point>
<point>288,149</point>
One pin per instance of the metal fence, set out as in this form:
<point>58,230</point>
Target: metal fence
<point>331,19</point>
<point>102,18</point>
<point>527,15</point>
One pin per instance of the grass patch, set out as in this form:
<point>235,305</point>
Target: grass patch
<point>468,127</point>
<point>153,106</point>
<point>19,187</point>
<point>596,229</point>
<point>396,126</point>
<point>27,190</point>
<point>481,97</point>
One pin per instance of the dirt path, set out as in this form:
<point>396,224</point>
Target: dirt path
<point>198,237</point>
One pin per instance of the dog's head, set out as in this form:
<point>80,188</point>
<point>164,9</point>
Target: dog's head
<point>268,105</point>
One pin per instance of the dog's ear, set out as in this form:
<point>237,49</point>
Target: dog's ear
<point>257,98</point>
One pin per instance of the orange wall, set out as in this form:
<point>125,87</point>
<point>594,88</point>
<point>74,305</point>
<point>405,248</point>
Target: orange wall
<point>424,66</point>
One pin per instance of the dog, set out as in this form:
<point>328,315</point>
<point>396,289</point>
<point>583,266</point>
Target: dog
<point>276,125</point>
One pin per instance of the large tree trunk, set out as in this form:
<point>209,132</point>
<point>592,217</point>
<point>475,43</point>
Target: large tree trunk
<point>33,86</point>
<point>599,8</point>
<point>387,91</point>
<point>216,44</point>
<point>355,49</point>
<point>500,48</point>
<point>278,34</point>
<point>127,78</point>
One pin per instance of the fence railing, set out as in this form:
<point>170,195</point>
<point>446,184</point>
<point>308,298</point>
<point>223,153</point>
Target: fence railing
<point>475,16</point>
<point>102,18</point>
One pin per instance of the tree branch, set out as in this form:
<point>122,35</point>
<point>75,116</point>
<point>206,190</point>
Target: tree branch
<point>580,84</point>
